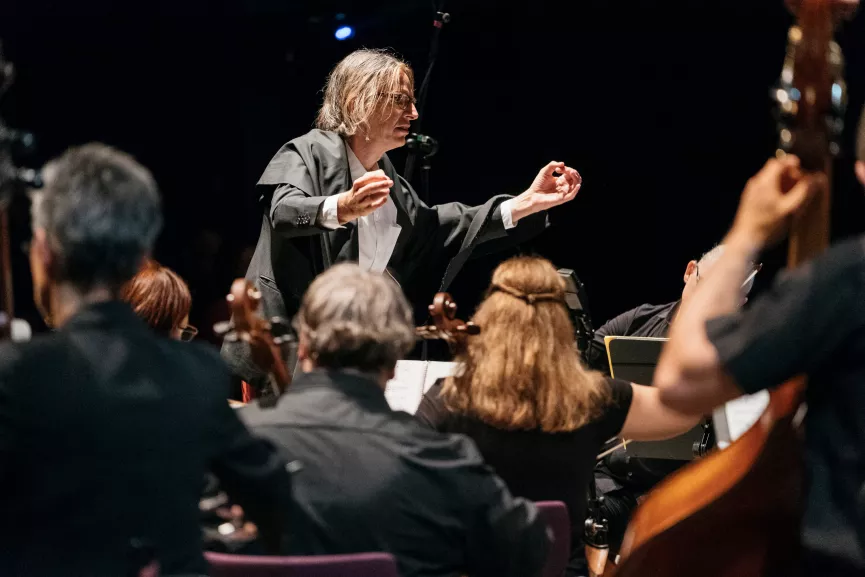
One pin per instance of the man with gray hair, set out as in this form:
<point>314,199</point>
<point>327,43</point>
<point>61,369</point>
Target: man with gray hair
<point>620,477</point>
<point>368,478</point>
<point>106,428</point>
<point>654,320</point>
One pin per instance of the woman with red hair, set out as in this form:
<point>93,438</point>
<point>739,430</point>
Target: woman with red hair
<point>162,299</point>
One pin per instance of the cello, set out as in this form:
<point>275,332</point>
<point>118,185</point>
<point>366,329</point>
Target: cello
<point>445,325</point>
<point>223,527</point>
<point>737,512</point>
<point>270,342</point>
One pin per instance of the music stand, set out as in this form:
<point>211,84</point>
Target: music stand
<point>634,359</point>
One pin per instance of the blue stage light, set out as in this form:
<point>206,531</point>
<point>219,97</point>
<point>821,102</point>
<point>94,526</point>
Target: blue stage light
<point>344,32</point>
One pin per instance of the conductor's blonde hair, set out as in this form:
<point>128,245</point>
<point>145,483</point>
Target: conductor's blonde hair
<point>361,83</point>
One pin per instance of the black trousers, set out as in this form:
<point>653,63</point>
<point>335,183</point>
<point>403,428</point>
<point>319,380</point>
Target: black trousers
<point>616,508</point>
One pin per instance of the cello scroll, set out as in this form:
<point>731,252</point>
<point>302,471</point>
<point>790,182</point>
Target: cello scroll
<point>265,338</point>
<point>445,325</point>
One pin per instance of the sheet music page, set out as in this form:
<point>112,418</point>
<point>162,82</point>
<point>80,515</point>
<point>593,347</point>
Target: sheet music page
<point>405,390</point>
<point>743,412</point>
<point>438,370</point>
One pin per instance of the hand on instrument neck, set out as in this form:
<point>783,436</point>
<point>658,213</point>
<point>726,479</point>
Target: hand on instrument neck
<point>771,196</point>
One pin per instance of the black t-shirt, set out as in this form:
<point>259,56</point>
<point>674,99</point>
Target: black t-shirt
<point>643,321</point>
<point>813,322</point>
<point>537,465</point>
<point>637,475</point>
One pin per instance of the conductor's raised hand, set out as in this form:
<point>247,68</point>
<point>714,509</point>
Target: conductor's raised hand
<point>555,184</point>
<point>368,193</point>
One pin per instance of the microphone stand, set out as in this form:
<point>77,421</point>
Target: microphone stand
<point>14,181</point>
<point>416,142</point>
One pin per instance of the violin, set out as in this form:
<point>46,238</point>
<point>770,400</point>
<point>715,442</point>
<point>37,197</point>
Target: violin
<point>737,512</point>
<point>445,326</point>
<point>266,339</point>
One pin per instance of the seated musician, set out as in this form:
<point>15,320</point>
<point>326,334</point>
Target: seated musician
<point>812,322</point>
<point>161,299</point>
<point>653,320</point>
<point>332,195</point>
<point>538,417</point>
<point>369,478</point>
<point>106,429</point>
<point>622,479</point>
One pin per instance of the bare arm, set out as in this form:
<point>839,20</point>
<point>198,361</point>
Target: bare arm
<point>650,420</point>
<point>689,375</point>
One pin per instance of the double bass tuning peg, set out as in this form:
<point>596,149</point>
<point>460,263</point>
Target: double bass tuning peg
<point>282,331</point>
<point>281,328</point>
<point>225,329</point>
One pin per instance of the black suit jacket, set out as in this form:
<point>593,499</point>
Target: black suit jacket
<point>106,432</point>
<point>433,245</point>
<point>372,479</point>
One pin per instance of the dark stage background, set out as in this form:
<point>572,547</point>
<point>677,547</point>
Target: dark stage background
<point>662,106</point>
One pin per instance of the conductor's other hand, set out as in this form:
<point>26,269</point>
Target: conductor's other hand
<point>555,184</point>
<point>367,193</point>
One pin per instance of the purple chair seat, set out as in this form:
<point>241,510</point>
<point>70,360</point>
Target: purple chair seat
<point>555,514</point>
<point>353,565</point>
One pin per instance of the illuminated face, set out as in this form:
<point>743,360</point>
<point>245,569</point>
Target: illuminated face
<point>391,122</point>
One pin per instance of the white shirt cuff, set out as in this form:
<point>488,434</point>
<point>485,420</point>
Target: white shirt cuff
<point>507,216</point>
<point>329,216</point>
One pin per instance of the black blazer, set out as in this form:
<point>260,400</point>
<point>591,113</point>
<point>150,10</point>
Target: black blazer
<point>372,479</point>
<point>433,245</point>
<point>106,432</point>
